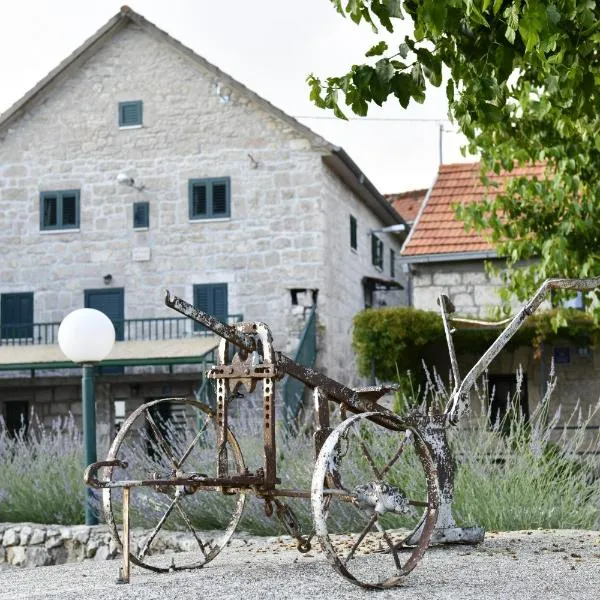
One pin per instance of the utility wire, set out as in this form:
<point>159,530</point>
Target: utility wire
<point>404,119</point>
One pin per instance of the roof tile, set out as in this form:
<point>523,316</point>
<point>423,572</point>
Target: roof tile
<point>437,230</point>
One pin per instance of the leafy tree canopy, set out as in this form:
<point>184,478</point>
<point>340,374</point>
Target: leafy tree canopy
<point>522,80</point>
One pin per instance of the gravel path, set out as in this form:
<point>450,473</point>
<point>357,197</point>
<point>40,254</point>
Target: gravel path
<point>528,565</point>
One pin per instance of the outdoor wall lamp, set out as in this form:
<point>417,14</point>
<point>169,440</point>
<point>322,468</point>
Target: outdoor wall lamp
<point>125,179</point>
<point>107,279</point>
<point>86,336</point>
<point>389,229</point>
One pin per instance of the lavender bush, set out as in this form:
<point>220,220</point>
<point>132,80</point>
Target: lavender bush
<point>516,474</point>
<point>41,473</point>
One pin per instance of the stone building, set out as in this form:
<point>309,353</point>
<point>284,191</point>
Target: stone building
<point>136,166</point>
<point>442,258</point>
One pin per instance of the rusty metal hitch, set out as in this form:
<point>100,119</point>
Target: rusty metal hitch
<point>90,477</point>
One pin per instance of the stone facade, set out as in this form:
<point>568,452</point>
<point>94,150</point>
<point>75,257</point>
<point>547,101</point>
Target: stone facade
<point>472,291</point>
<point>289,221</point>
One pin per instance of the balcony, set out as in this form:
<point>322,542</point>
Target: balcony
<point>167,328</point>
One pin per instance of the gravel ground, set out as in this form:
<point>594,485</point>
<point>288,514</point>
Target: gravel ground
<point>518,565</point>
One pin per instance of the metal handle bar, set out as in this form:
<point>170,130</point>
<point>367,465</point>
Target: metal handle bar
<point>459,401</point>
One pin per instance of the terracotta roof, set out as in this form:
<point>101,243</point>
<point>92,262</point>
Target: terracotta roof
<point>437,231</point>
<point>407,204</point>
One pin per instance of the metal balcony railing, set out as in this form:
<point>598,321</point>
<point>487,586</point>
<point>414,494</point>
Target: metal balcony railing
<point>165,328</point>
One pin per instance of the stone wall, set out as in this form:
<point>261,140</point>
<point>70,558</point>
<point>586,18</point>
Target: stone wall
<point>35,545</point>
<point>467,284</point>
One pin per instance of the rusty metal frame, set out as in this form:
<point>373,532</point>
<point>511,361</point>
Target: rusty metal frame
<point>255,362</point>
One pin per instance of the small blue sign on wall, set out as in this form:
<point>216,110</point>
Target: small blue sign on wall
<point>562,356</point>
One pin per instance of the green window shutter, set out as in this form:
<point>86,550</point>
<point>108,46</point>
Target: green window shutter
<point>69,210</point>
<point>353,230</point>
<point>49,210</point>
<point>141,215</point>
<point>199,206</point>
<point>219,199</point>
<point>130,113</point>
<point>16,315</point>
<point>209,198</point>
<point>212,299</point>
<point>376,251</point>
<point>392,263</point>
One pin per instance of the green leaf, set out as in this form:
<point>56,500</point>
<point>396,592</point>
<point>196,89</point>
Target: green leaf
<point>378,49</point>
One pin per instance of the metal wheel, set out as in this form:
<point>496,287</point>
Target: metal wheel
<point>165,439</point>
<point>375,483</point>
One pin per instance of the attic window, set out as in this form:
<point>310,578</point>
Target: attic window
<point>130,114</point>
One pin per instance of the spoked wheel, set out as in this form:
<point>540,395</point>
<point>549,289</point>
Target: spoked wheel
<point>375,483</point>
<point>166,439</point>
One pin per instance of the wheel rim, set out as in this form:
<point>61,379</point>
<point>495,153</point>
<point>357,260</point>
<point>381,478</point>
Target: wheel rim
<point>155,447</point>
<point>368,483</point>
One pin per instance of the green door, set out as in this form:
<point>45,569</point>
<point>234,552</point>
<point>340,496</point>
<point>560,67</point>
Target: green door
<point>112,303</point>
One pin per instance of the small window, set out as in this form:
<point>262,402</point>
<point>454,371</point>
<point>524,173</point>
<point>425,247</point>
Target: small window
<point>212,299</point>
<point>59,210</point>
<point>141,215</point>
<point>353,237</point>
<point>130,114</point>
<point>392,263</point>
<point>209,198</point>
<point>376,252</point>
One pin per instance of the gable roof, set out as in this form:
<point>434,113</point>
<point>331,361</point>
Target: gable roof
<point>333,156</point>
<point>407,203</point>
<point>437,235</point>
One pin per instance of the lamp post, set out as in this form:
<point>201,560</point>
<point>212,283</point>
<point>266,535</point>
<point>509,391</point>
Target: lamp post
<point>86,336</point>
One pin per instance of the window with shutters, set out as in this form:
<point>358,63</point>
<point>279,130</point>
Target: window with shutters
<point>209,198</point>
<point>16,315</point>
<point>141,215</point>
<point>59,210</point>
<point>353,236</point>
<point>130,114</point>
<point>212,299</point>
<point>376,252</point>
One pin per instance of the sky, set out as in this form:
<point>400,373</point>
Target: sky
<point>271,46</point>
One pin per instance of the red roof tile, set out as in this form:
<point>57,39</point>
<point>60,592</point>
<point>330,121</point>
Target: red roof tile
<point>407,204</point>
<point>437,230</point>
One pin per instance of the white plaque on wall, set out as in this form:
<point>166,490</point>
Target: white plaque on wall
<point>140,254</point>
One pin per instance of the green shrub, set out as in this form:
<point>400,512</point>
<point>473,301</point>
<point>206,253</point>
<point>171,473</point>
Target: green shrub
<point>393,340</point>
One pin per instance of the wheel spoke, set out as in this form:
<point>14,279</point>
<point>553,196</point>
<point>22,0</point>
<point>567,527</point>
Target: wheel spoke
<point>390,543</point>
<point>160,439</point>
<point>193,443</point>
<point>191,528</point>
<point>361,537</point>
<point>367,455</point>
<point>157,528</point>
<point>396,456</point>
